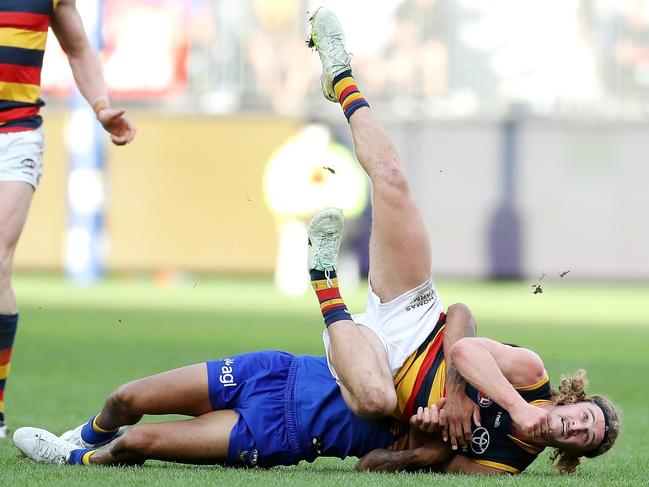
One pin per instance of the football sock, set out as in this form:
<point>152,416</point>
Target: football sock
<point>349,96</point>
<point>8,326</point>
<point>81,456</point>
<point>332,306</point>
<point>93,434</point>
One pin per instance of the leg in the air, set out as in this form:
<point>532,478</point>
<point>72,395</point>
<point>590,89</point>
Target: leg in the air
<point>400,256</point>
<point>367,389</point>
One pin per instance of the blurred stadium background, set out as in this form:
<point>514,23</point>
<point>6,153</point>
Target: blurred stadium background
<point>522,125</point>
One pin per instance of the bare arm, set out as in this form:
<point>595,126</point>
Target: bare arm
<point>437,457</point>
<point>428,452</point>
<point>87,71</point>
<point>85,64</point>
<point>496,369</point>
<point>461,464</point>
<point>459,409</point>
<point>419,458</point>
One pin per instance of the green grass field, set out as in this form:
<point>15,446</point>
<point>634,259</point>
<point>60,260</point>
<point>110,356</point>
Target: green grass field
<point>75,345</point>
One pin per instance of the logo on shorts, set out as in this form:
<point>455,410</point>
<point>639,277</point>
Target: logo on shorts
<point>484,401</point>
<point>251,457</point>
<point>480,441</point>
<point>227,378</point>
<point>425,296</point>
<point>318,444</point>
<point>29,163</point>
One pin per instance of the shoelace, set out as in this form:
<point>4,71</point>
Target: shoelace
<point>330,283</point>
<point>50,451</point>
<point>324,258</point>
<point>345,57</point>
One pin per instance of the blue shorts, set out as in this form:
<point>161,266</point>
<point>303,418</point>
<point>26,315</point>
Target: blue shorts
<point>260,387</point>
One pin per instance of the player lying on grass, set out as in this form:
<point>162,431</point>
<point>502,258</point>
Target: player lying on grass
<point>273,408</point>
<point>258,409</point>
<point>398,344</point>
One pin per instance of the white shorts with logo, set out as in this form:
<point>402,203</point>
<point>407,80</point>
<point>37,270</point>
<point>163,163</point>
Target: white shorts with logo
<point>401,324</point>
<point>21,156</point>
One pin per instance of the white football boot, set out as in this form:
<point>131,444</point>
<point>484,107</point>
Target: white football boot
<point>3,430</point>
<point>325,233</point>
<point>74,437</point>
<point>328,38</point>
<point>42,446</point>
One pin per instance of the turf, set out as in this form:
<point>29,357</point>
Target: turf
<point>77,344</point>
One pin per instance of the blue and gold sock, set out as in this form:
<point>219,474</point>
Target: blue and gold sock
<point>94,434</point>
<point>349,96</point>
<point>332,306</point>
<point>81,456</point>
<point>8,327</point>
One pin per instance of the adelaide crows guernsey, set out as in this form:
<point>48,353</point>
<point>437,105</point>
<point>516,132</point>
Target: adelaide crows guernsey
<point>493,444</point>
<point>422,381</point>
<point>422,378</point>
<point>23,35</point>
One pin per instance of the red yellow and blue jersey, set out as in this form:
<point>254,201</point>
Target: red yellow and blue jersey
<point>422,381</point>
<point>422,378</point>
<point>23,35</point>
<point>492,444</point>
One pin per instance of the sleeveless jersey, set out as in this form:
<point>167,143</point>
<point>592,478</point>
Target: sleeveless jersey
<point>492,444</point>
<point>23,35</point>
<point>421,382</point>
<point>422,378</point>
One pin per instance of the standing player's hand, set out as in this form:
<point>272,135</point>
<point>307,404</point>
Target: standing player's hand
<point>118,125</point>
<point>459,410</point>
<point>534,421</point>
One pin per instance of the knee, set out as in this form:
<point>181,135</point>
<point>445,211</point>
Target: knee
<point>390,178</point>
<point>6,260</point>
<point>376,402</point>
<point>124,399</point>
<point>134,444</point>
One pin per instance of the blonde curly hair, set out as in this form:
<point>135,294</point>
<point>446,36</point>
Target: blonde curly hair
<point>571,390</point>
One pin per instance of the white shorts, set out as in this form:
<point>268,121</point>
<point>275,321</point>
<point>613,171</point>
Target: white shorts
<point>401,324</point>
<point>21,156</point>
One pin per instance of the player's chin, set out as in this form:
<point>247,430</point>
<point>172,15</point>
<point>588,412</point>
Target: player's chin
<point>555,435</point>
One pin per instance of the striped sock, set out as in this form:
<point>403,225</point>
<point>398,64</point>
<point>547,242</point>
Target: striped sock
<point>332,305</point>
<point>93,434</point>
<point>81,456</point>
<point>347,92</point>
<point>8,326</point>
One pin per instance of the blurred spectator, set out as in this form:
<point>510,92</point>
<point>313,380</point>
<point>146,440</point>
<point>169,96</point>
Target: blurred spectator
<point>437,57</point>
<point>278,55</point>
<point>417,60</point>
<point>622,38</point>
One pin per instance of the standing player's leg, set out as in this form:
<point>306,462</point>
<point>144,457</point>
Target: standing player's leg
<point>15,200</point>
<point>400,257</point>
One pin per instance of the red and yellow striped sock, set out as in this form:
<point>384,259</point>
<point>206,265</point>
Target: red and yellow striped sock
<point>332,306</point>
<point>8,326</point>
<point>349,96</point>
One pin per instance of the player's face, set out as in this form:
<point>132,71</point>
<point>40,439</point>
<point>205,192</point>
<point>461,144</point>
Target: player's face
<point>577,426</point>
